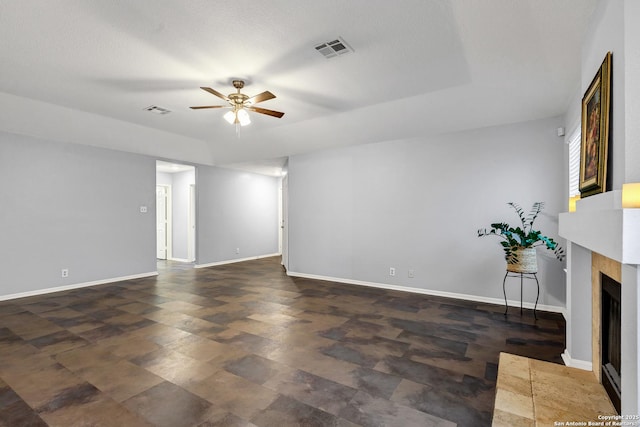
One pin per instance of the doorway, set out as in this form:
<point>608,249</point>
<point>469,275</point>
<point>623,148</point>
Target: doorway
<point>179,181</point>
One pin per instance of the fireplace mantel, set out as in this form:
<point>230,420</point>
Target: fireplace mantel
<point>601,225</point>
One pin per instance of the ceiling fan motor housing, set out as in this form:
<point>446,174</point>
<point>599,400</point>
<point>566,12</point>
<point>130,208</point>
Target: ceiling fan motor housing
<point>238,99</point>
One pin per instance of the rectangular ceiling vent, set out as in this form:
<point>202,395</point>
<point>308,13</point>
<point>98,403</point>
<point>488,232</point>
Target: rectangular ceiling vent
<point>157,110</point>
<point>334,48</point>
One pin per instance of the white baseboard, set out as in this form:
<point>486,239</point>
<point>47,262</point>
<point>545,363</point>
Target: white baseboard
<point>476,298</point>
<point>179,259</point>
<point>574,363</point>
<point>232,261</point>
<point>75,286</point>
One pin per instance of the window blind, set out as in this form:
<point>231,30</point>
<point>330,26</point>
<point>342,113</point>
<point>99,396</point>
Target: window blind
<point>574,162</point>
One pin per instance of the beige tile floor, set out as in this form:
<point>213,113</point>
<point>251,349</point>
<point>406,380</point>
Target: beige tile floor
<point>531,392</point>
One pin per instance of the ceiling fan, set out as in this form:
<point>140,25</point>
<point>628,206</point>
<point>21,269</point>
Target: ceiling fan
<point>240,103</point>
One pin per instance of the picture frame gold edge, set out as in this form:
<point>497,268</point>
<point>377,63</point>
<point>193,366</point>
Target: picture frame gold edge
<point>599,183</point>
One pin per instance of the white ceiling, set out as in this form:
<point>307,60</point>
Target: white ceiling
<point>419,67</point>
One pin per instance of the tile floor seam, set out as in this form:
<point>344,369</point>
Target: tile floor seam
<point>533,396</point>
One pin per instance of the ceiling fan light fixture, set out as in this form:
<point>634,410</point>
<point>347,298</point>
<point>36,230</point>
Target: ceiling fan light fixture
<point>243,117</point>
<point>230,116</point>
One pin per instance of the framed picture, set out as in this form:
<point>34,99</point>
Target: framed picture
<point>594,148</point>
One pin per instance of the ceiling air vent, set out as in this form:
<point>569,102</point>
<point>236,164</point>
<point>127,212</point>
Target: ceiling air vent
<point>334,48</point>
<point>157,110</point>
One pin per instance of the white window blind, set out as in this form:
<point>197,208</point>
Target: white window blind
<point>574,162</point>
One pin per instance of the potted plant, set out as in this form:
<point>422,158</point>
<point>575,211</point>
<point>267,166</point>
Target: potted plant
<point>519,243</point>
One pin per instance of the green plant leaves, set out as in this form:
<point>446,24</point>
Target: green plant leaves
<point>524,236</point>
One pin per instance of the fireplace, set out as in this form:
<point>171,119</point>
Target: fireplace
<point>606,232</point>
<point>611,338</point>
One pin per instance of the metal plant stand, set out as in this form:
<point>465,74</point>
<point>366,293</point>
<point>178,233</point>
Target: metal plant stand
<point>531,276</point>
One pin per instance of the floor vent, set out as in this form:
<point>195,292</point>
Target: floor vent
<point>157,110</point>
<point>334,48</point>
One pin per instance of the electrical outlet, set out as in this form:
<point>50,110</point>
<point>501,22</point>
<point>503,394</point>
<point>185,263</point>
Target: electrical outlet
<point>411,274</point>
<point>392,271</point>
<point>65,272</point>
<point>237,250</point>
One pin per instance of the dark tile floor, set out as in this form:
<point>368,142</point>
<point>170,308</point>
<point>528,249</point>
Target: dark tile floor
<point>246,345</point>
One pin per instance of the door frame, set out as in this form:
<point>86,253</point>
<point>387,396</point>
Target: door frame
<point>191,223</point>
<point>284,221</point>
<point>168,228</point>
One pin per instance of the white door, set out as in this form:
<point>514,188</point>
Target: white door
<point>161,221</point>
<point>191,232</point>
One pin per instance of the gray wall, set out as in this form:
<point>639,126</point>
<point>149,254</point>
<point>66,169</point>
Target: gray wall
<point>606,33</point>
<point>355,212</point>
<point>235,210</point>
<point>579,323</point>
<point>76,207</point>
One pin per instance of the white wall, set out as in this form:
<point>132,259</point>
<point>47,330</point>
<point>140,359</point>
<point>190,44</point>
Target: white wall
<point>75,207</point>
<point>355,212</point>
<point>235,210</point>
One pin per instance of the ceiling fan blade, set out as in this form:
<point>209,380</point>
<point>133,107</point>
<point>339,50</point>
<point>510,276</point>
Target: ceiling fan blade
<point>215,92</point>
<point>277,114</point>
<point>264,96</point>
<point>208,106</point>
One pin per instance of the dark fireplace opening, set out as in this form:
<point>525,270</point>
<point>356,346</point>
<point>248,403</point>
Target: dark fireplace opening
<point>611,347</point>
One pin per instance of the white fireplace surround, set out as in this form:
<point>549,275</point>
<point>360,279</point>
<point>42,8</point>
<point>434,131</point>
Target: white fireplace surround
<point>600,225</point>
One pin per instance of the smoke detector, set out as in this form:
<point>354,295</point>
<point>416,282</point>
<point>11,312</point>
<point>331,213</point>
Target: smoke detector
<point>334,48</point>
<point>157,110</point>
